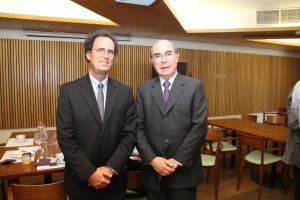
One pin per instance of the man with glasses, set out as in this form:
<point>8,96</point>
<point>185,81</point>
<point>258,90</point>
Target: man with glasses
<point>96,126</point>
<point>171,127</point>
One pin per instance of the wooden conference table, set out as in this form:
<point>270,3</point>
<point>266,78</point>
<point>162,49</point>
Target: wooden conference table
<point>277,134</point>
<point>18,170</point>
<point>266,131</point>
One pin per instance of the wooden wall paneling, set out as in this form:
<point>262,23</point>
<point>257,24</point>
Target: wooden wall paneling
<point>256,84</point>
<point>132,66</point>
<point>28,82</point>
<point>245,92</point>
<point>212,89</point>
<point>278,80</point>
<point>4,105</point>
<point>32,72</point>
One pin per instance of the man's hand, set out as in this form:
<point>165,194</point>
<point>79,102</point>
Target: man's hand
<point>163,166</point>
<point>100,178</point>
<point>174,163</point>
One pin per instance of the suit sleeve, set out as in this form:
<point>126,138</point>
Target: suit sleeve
<point>125,148</point>
<point>75,157</point>
<point>193,141</point>
<point>143,146</point>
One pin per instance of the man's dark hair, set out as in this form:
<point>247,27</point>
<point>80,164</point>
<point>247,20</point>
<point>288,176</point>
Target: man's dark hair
<point>89,42</point>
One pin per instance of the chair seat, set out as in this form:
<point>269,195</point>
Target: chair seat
<point>227,146</point>
<point>208,160</point>
<point>255,157</point>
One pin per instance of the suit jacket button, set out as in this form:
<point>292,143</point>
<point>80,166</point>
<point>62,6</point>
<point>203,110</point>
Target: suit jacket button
<point>166,140</point>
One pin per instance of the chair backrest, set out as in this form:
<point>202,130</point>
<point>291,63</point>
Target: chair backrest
<point>275,120</point>
<point>249,117</point>
<point>282,110</point>
<point>255,142</point>
<point>213,135</point>
<point>52,191</point>
<point>134,180</point>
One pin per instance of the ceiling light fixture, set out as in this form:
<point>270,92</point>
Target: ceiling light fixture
<point>137,2</point>
<point>64,35</point>
<point>289,41</point>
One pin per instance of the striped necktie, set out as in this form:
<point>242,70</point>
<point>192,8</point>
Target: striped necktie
<point>166,91</point>
<point>100,99</point>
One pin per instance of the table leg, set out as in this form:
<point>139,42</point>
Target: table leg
<point>232,157</point>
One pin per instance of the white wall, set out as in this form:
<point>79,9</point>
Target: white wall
<point>19,34</point>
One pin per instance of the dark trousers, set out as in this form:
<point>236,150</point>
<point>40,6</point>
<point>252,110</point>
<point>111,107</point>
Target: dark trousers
<point>116,190</point>
<point>103,196</point>
<point>296,172</point>
<point>167,193</point>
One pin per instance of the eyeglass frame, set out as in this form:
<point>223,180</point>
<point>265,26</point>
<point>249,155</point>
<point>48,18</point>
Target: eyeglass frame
<point>159,56</point>
<point>103,51</point>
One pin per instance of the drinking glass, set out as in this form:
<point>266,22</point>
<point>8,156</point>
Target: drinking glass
<point>38,141</point>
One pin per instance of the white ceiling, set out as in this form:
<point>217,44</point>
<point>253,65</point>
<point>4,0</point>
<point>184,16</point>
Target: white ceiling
<point>197,16</point>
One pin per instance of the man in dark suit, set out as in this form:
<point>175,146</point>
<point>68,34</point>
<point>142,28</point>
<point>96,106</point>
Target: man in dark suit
<point>96,148</point>
<point>171,127</point>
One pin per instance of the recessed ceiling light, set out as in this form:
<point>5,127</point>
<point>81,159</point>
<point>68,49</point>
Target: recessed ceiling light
<point>137,2</point>
<point>57,10</point>
<point>289,42</point>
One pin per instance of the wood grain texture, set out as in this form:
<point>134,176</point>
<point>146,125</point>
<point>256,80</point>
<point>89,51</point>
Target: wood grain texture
<point>32,72</point>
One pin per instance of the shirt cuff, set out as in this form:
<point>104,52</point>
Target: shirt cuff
<point>177,162</point>
<point>115,173</point>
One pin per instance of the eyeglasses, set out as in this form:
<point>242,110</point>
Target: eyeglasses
<point>159,56</point>
<point>102,51</point>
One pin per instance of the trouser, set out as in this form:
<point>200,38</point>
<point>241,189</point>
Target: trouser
<point>167,193</point>
<point>296,172</point>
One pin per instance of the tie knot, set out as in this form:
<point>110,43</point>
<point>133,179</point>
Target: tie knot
<point>100,85</point>
<point>166,84</point>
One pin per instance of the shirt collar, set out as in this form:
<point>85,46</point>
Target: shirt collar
<point>171,80</point>
<point>95,82</point>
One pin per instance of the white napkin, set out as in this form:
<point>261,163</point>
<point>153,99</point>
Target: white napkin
<point>15,154</point>
<point>50,167</point>
<point>12,142</point>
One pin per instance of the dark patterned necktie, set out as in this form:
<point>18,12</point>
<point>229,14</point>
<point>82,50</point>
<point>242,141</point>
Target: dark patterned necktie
<point>100,99</point>
<point>166,91</point>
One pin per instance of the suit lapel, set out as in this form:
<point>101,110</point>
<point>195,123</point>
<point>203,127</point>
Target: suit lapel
<point>158,95</point>
<point>111,96</point>
<point>89,96</point>
<point>176,91</point>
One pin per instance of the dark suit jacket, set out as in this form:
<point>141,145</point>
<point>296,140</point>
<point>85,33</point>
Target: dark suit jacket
<point>85,141</point>
<point>176,130</point>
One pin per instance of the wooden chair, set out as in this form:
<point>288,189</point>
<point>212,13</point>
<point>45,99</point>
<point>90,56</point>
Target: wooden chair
<point>277,120</point>
<point>230,138</point>
<point>258,155</point>
<point>229,145</point>
<point>249,117</point>
<point>51,191</point>
<point>134,183</point>
<point>282,111</point>
<point>134,180</point>
<point>210,158</point>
